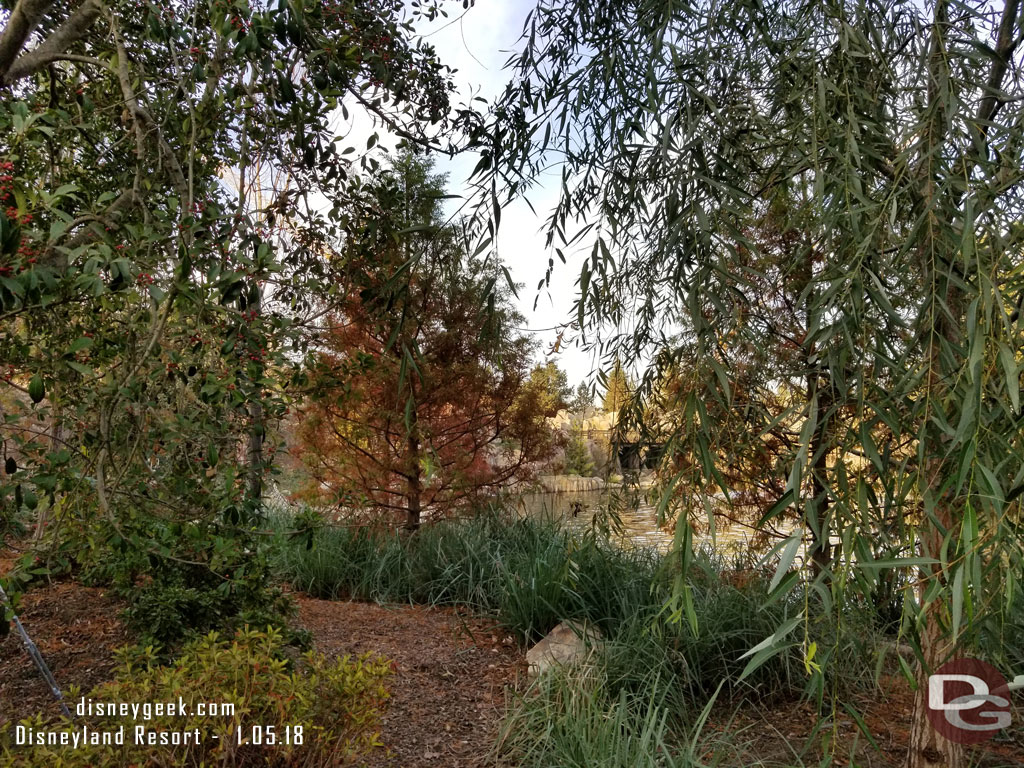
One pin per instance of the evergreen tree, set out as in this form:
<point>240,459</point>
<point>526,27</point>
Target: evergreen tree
<point>578,460</point>
<point>417,387</point>
<point>582,399</point>
<point>618,389</point>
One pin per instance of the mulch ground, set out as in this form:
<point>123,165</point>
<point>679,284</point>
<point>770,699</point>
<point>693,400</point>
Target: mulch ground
<point>76,629</point>
<point>447,694</point>
<point>784,732</point>
<point>448,691</point>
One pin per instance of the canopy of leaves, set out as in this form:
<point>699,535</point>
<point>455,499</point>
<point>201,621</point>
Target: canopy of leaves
<point>553,385</point>
<point>161,254</point>
<point>894,130</point>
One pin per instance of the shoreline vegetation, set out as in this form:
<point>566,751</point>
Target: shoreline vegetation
<point>658,692</point>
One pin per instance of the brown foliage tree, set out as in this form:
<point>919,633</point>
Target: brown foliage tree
<point>422,398</point>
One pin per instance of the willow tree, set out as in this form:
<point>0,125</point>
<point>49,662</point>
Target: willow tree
<point>674,124</point>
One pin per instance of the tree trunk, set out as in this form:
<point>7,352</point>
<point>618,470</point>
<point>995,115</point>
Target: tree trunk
<point>45,513</point>
<point>816,516</point>
<point>414,484</point>
<point>257,427</point>
<point>928,748</point>
<point>254,457</point>
<point>821,547</point>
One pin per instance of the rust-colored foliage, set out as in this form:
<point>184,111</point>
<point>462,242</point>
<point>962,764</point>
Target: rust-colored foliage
<point>422,397</point>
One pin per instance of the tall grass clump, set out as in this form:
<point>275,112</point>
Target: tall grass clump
<point>574,718</point>
<point>530,574</point>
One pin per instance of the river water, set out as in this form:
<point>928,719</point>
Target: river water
<point>627,518</point>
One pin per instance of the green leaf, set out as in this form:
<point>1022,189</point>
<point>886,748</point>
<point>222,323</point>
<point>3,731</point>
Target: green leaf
<point>82,369</point>
<point>958,600</point>
<point>14,286</point>
<point>778,507</point>
<point>36,388</point>
<point>905,669</point>
<point>867,444</point>
<point>773,638</point>
<point>1009,361</point>
<point>82,342</point>
<point>792,546</point>
<point>861,725</point>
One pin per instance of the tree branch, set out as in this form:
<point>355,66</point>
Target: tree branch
<point>51,49</point>
<point>109,218</point>
<point>24,18</point>
<point>1005,45</point>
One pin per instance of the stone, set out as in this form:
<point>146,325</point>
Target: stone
<point>568,643</point>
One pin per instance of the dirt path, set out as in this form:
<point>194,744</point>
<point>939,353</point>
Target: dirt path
<point>447,696</point>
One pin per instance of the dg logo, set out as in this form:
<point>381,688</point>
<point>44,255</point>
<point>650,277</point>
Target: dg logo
<point>968,701</point>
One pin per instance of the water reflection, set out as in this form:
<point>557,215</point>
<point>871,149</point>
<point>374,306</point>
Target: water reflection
<point>627,518</point>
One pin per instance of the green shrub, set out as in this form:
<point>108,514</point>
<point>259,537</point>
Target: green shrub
<point>179,601</point>
<point>179,579</point>
<point>332,705</point>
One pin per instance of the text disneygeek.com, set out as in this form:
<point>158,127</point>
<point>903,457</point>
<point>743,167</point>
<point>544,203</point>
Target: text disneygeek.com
<point>144,735</point>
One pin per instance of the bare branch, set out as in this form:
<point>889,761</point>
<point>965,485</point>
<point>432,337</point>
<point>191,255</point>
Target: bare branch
<point>24,18</point>
<point>141,116</point>
<point>54,47</point>
<point>1005,45</point>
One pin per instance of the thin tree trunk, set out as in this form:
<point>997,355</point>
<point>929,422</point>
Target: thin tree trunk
<point>45,512</point>
<point>929,748</point>
<point>821,548</point>
<point>257,427</point>
<point>254,481</point>
<point>414,483</point>
<point>817,524</point>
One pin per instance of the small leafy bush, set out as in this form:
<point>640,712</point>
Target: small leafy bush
<point>180,579</point>
<point>337,704</point>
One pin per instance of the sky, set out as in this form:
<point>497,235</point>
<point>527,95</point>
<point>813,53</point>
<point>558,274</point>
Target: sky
<point>477,43</point>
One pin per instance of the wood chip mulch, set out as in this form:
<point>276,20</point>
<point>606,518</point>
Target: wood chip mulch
<point>448,693</point>
<point>76,629</point>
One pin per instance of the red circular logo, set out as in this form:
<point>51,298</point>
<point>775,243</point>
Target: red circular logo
<point>968,701</point>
